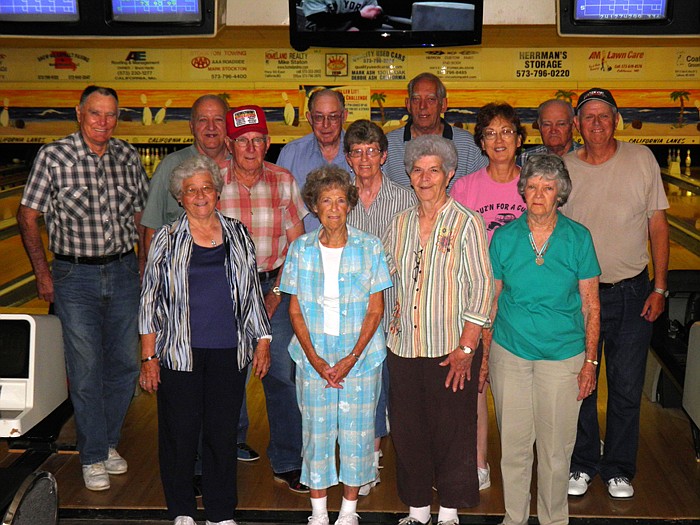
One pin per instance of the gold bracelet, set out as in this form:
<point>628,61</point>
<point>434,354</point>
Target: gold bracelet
<point>592,361</point>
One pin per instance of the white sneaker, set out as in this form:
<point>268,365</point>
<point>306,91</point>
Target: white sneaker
<point>620,488</point>
<point>225,522</point>
<point>184,520</point>
<point>367,487</point>
<point>95,476</point>
<point>115,464</point>
<point>319,520</point>
<point>349,518</point>
<point>578,483</point>
<point>484,475</point>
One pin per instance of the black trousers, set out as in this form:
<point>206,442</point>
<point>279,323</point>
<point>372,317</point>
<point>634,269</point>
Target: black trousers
<point>208,399</point>
<point>434,432</point>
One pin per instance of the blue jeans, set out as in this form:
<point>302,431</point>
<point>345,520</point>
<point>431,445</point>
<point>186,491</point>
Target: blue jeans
<point>279,385</point>
<point>625,338</point>
<point>98,308</point>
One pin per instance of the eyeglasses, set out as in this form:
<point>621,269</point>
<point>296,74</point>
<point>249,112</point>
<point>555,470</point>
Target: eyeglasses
<point>505,133</point>
<point>358,152</point>
<point>191,191</point>
<point>242,142</point>
<point>320,118</point>
<point>416,268</point>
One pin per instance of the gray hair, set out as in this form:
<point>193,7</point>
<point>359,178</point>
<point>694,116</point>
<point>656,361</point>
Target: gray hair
<point>427,145</point>
<point>549,167</point>
<point>439,86</point>
<point>323,92</point>
<point>328,176</point>
<point>190,168</point>
<point>207,98</point>
<point>552,102</point>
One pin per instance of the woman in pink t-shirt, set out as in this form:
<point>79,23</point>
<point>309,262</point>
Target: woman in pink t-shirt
<point>493,192</point>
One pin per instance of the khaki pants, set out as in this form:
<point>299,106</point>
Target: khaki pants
<point>535,404</point>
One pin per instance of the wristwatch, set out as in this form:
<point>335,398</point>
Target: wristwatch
<point>663,292</point>
<point>466,349</point>
<point>276,290</point>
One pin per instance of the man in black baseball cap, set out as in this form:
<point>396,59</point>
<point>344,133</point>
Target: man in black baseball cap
<point>618,195</point>
<point>600,94</point>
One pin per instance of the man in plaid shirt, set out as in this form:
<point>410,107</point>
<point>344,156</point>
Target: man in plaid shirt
<point>266,199</point>
<point>90,188</point>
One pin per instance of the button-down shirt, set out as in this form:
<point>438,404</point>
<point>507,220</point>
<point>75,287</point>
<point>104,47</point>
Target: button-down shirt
<point>89,202</point>
<point>542,149</point>
<point>390,200</point>
<point>270,207</point>
<point>165,304</point>
<point>469,156</point>
<point>441,285</point>
<point>304,155</point>
<point>363,272</point>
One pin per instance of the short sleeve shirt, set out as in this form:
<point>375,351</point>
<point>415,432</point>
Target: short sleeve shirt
<point>89,202</point>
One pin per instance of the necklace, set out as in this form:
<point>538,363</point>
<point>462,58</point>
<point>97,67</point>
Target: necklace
<point>539,254</point>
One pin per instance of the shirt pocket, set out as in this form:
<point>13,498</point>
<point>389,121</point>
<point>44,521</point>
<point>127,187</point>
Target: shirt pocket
<point>73,203</point>
<point>125,197</point>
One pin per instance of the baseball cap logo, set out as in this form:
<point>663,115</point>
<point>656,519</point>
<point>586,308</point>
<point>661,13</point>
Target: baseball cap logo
<point>245,117</point>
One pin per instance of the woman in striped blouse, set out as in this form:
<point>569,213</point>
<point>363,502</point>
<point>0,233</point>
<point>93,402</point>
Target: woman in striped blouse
<point>202,321</point>
<point>438,252</point>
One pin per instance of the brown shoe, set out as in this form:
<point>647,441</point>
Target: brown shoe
<point>292,479</point>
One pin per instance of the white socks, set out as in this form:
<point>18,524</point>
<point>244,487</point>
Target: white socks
<point>348,506</point>
<point>319,506</point>
<point>446,514</point>
<point>422,514</point>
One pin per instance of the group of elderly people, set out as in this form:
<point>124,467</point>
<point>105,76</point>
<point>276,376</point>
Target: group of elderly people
<point>460,295</point>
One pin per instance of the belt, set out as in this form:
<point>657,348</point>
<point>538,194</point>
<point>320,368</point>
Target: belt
<point>266,276</point>
<point>605,286</point>
<point>104,259</point>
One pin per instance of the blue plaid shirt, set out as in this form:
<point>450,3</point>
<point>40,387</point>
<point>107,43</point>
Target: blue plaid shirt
<point>363,271</point>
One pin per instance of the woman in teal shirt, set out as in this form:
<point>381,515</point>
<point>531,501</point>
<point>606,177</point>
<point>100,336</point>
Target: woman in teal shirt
<point>546,320</point>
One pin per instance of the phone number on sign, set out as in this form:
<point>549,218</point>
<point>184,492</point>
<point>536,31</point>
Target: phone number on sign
<point>542,73</point>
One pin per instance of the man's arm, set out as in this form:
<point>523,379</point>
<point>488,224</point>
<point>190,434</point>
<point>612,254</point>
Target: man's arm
<point>659,238</point>
<point>272,300</point>
<point>28,222</point>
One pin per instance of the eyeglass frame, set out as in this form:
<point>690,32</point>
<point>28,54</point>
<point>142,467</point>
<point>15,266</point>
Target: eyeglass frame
<point>370,152</point>
<point>505,133</point>
<point>257,142</point>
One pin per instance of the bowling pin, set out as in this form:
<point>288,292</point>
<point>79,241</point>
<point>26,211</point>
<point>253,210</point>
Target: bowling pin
<point>160,116</point>
<point>288,110</point>
<point>147,117</point>
<point>5,114</point>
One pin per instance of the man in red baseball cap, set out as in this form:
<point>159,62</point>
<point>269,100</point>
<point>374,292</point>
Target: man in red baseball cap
<point>266,198</point>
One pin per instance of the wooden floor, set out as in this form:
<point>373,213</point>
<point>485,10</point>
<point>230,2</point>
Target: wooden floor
<point>667,484</point>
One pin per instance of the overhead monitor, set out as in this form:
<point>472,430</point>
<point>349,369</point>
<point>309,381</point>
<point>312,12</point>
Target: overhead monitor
<point>111,18</point>
<point>157,11</point>
<point>39,10</point>
<point>384,23</point>
<point>628,18</point>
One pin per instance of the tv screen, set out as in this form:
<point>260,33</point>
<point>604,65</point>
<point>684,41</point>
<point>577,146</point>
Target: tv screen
<point>153,11</point>
<point>621,10</point>
<point>39,10</point>
<point>384,23</point>
<point>115,18</point>
<point>15,338</point>
<point>628,18</point>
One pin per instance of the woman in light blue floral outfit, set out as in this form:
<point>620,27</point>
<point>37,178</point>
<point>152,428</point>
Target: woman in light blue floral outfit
<point>335,276</point>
